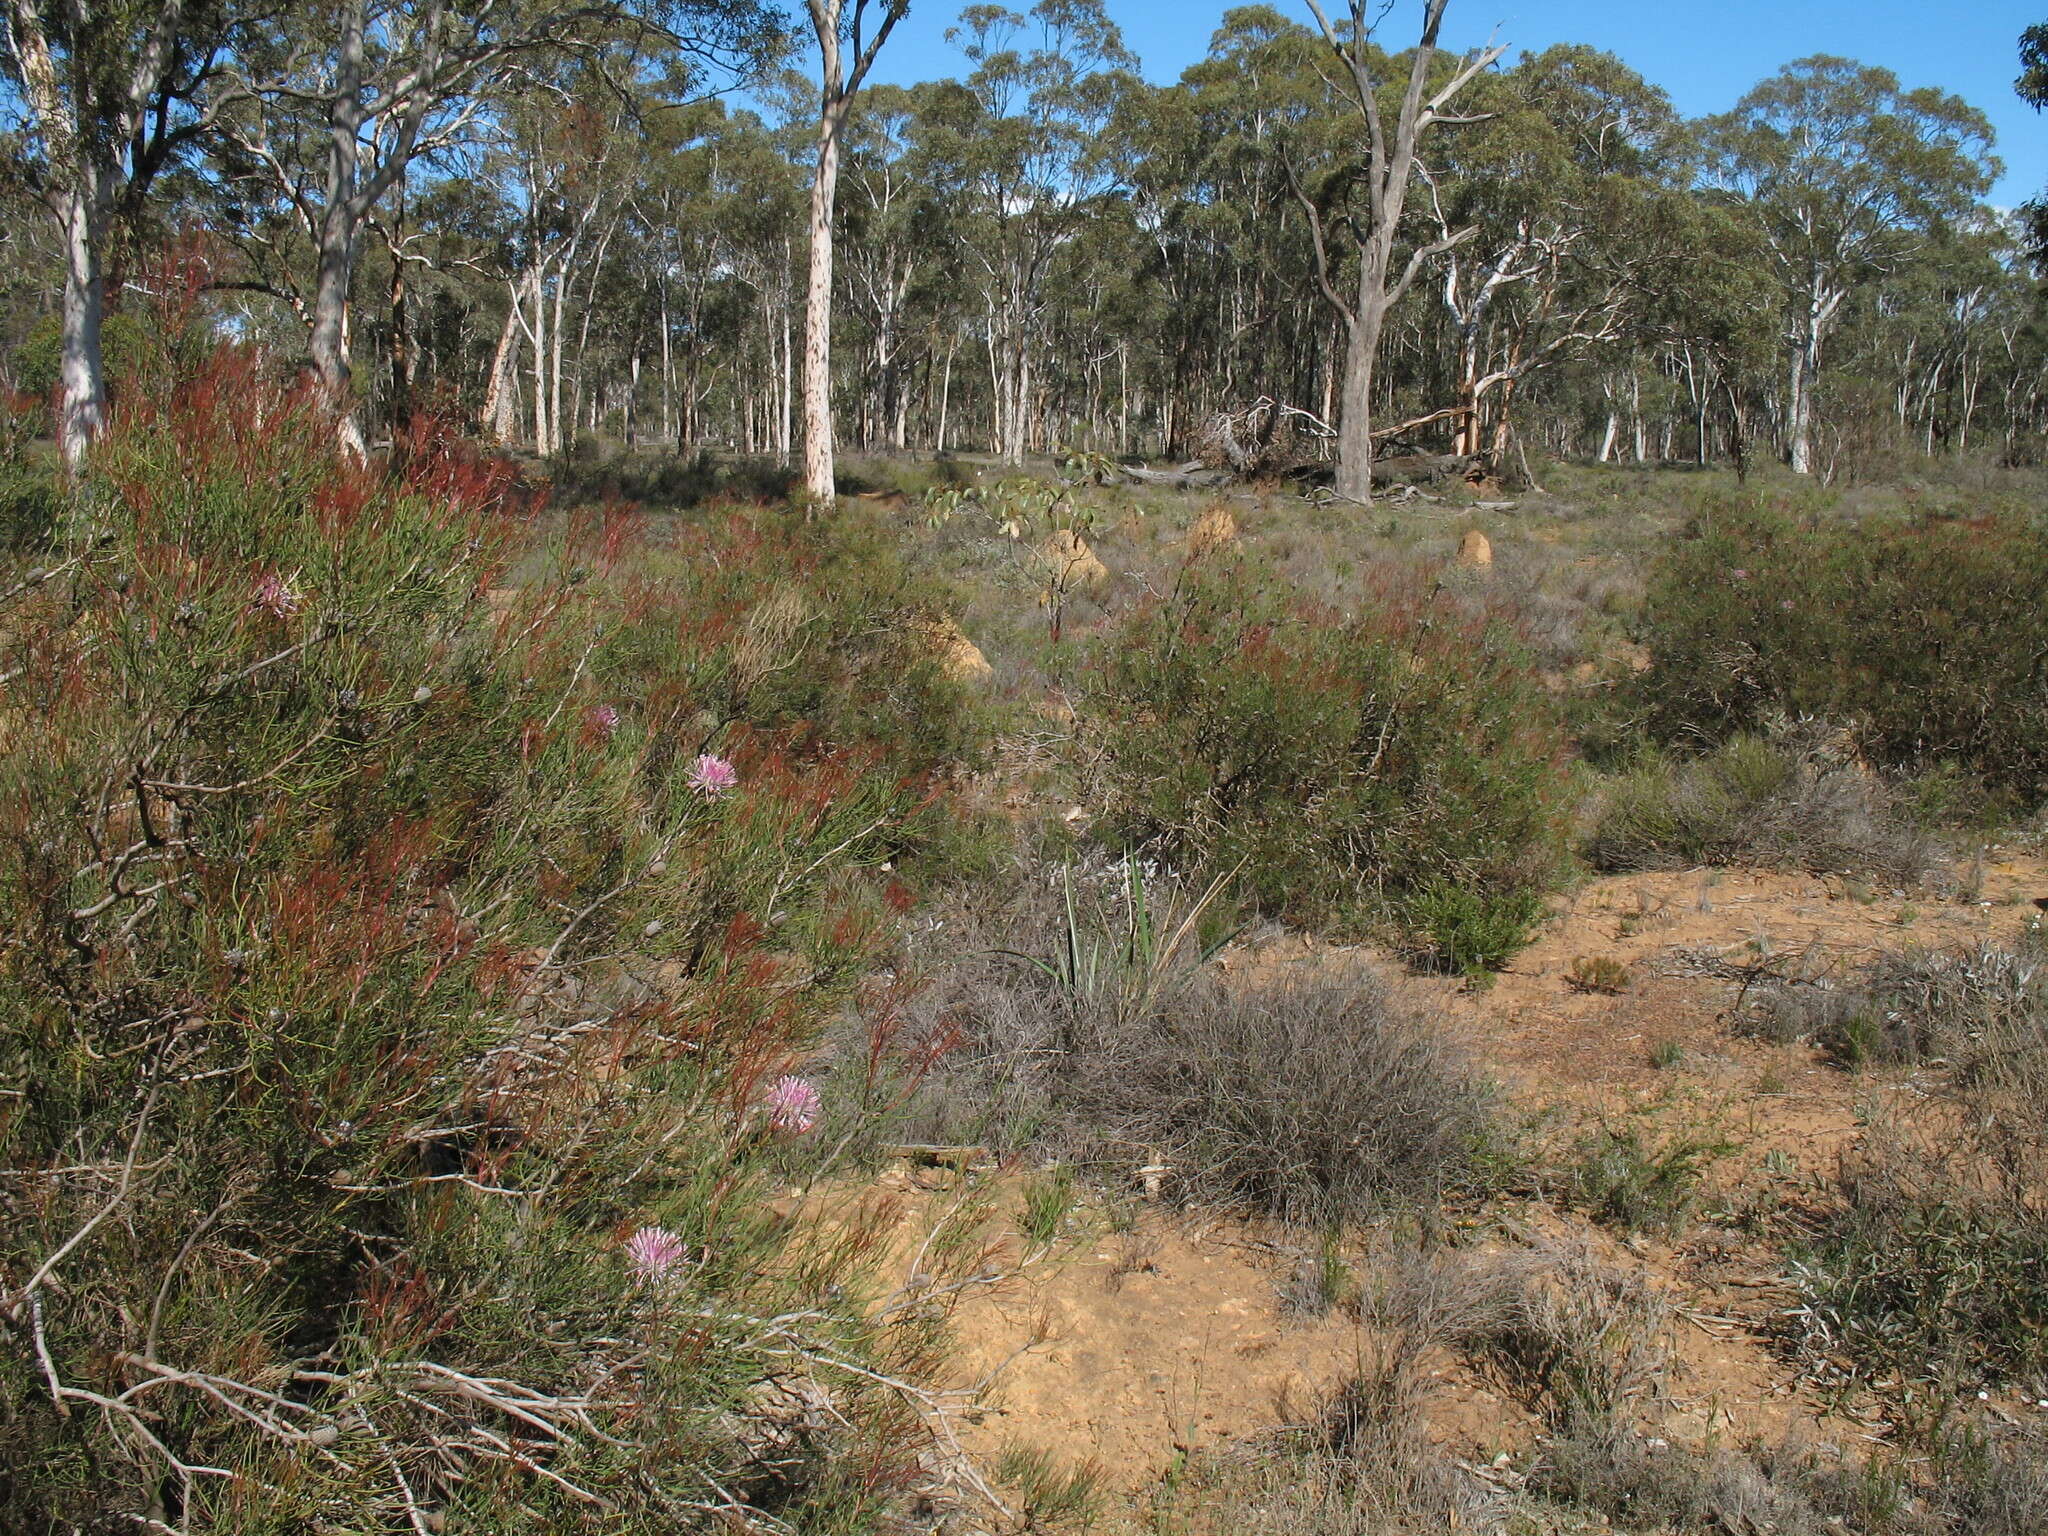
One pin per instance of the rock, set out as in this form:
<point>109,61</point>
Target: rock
<point>1066,563</point>
<point>1215,529</point>
<point>959,658</point>
<point>1475,550</point>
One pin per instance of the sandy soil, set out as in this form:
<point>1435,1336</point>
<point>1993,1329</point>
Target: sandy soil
<point>1134,1341</point>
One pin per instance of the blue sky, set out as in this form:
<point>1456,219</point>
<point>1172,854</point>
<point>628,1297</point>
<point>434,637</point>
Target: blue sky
<point>1706,55</point>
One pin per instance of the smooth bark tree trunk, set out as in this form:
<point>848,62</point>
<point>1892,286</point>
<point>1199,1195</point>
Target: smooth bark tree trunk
<point>82,396</point>
<point>1821,304</point>
<point>819,482</point>
<point>501,405</point>
<point>335,236</point>
<point>1799,404</point>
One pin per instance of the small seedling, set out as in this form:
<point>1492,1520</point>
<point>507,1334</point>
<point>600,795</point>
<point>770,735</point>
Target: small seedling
<point>1597,973</point>
<point>1046,1204</point>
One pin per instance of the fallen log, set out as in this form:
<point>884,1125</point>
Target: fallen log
<point>1190,478</point>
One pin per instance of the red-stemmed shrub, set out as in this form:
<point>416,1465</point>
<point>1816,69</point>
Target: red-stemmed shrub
<point>376,958</point>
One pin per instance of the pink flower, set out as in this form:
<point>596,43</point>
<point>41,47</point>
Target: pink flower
<point>1739,574</point>
<point>792,1105</point>
<point>276,596</point>
<point>654,1253</point>
<point>604,720</point>
<point>713,776</point>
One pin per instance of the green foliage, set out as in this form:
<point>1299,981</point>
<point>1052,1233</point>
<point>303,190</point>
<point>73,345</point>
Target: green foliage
<point>30,499</point>
<point>379,956</point>
<point>1124,954</point>
<point>1933,1260</point>
<point>125,344</point>
<point>668,481</point>
<point>1929,1282</point>
<point>1049,1496</point>
<point>1047,1203</point>
<point>1452,928</point>
<point>1623,1178</point>
<point>1790,798</point>
<point>1924,637</point>
<point>1597,973</point>
<point>1401,763</point>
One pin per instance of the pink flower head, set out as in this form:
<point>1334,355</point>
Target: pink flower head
<point>792,1105</point>
<point>654,1253</point>
<point>1739,574</point>
<point>276,596</point>
<point>713,776</point>
<point>604,720</point>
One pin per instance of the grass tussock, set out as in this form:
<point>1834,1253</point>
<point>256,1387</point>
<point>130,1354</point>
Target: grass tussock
<point>1925,1260</point>
<point>1585,1346</point>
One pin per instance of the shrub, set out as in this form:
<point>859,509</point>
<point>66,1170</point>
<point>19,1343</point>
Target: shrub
<point>1602,974</point>
<point>1931,1261</point>
<point>1453,928</point>
<point>1315,1099</point>
<point>1925,1273</point>
<point>1626,1181</point>
<point>1311,1098</point>
<point>668,481</point>
<point>1399,763</point>
<point>1788,799</point>
<point>1908,1006</point>
<point>378,960</point>
<point>1925,637</point>
<point>30,500</point>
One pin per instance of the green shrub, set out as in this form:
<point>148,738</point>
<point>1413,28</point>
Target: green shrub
<point>1926,637</point>
<point>379,956</point>
<point>1928,1276</point>
<point>667,481</point>
<point>30,498</point>
<point>1452,928</point>
<point>1787,799</point>
<point>1621,1178</point>
<point>1400,763</point>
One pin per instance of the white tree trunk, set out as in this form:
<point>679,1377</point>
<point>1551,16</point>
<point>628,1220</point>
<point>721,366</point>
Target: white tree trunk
<point>82,400</point>
<point>819,445</point>
<point>501,405</point>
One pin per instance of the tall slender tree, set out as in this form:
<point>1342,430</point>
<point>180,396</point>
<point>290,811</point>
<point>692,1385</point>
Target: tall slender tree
<point>845,55</point>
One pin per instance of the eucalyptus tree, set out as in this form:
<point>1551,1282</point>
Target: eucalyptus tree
<point>1848,174</point>
<point>1561,183</point>
<point>846,52</point>
<point>1222,241</point>
<point>891,248</point>
<point>104,97</point>
<point>334,100</point>
<point>1015,146</point>
<point>1372,223</point>
<point>2032,86</point>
